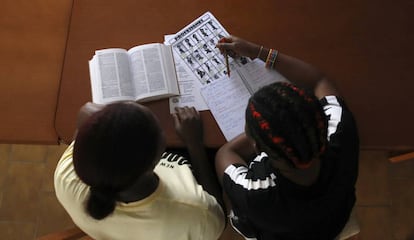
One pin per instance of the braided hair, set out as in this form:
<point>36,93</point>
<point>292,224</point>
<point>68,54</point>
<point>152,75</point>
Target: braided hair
<point>287,122</point>
<point>113,148</point>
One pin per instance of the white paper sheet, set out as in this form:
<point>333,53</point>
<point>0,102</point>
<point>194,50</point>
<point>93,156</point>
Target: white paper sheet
<point>227,97</point>
<point>189,86</point>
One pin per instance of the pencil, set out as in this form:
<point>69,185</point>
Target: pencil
<point>227,63</point>
<point>226,56</point>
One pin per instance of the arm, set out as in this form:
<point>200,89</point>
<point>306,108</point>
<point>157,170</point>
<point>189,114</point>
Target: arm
<point>189,128</point>
<point>239,150</point>
<point>295,70</point>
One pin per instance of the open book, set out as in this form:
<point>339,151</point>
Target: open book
<point>227,97</point>
<point>142,73</point>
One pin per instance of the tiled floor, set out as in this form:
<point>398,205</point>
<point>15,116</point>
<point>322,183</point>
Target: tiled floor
<point>28,206</point>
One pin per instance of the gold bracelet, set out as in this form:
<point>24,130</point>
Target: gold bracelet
<point>267,63</point>
<point>260,51</point>
<point>271,58</point>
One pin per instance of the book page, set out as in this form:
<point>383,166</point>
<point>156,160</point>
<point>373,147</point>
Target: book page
<point>227,99</point>
<point>188,84</point>
<point>170,70</point>
<point>148,70</point>
<point>255,75</point>
<point>110,76</point>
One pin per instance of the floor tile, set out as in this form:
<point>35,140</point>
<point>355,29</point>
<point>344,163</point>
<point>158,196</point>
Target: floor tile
<point>372,185</point>
<point>374,222</point>
<point>52,216</point>
<point>21,191</point>
<point>28,205</point>
<point>402,208</point>
<point>4,160</point>
<point>35,153</point>
<point>402,170</point>
<point>53,155</point>
<point>17,230</point>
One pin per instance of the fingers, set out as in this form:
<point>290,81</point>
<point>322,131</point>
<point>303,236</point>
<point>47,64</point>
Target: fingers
<point>225,46</point>
<point>188,124</point>
<point>228,45</point>
<point>229,39</point>
<point>185,113</point>
<point>225,43</point>
<point>176,120</point>
<point>195,112</point>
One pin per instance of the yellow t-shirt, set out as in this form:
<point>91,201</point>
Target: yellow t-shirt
<point>178,209</point>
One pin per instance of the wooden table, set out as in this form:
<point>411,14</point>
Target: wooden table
<point>366,53</point>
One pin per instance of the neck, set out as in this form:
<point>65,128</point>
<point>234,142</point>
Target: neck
<point>142,188</point>
<point>305,177</point>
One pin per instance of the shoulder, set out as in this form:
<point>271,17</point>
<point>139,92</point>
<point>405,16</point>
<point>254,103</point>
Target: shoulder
<point>180,184</point>
<point>183,193</point>
<point>257,176</point>
<point>172,160</point>
<point>65,172</point>
<point>175,167</point>
<point>340,118</point>
<point>257,183</point>
<point>69,188</point>
<point>342,134</point>
<point>332,100</point>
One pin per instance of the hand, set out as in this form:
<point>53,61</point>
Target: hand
<point>237,47</point>
<point>188,125</point>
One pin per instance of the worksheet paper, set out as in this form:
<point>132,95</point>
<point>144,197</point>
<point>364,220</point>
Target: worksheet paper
<point>227,97</point>
<point>188,84</point>
<point>195,45</point>
<point>198,61</point>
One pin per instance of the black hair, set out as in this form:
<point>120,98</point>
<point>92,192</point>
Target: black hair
<point>113,148</point>
<point>287,122</point>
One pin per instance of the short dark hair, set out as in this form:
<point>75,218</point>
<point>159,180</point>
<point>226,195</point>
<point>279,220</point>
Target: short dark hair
<point>113,148</point>
<point>287,122</point>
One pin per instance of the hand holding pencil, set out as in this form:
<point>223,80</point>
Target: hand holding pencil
<point>226,56</point>
<point>237,47</point>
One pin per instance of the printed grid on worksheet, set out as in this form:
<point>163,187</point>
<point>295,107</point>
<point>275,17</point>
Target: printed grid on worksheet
<point>198,51</point>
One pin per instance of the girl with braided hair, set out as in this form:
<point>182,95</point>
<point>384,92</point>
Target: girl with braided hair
<point>292,174</point>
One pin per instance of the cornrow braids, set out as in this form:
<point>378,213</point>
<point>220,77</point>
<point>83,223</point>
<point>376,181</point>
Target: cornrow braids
<point>288,122</point>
